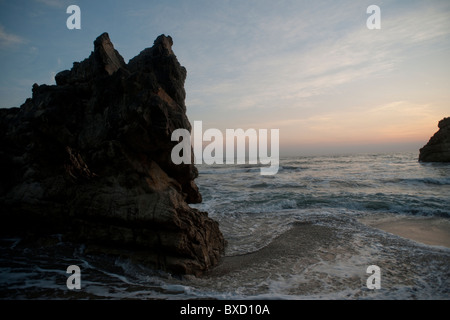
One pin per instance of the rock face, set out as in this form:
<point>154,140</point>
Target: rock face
<point>89,158</point>
<point>438,148</point>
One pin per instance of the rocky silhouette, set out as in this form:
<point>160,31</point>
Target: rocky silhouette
<point>438,147</point>
<point>89,158</point>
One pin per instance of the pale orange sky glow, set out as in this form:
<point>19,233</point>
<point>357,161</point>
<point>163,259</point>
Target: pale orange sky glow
<point>394,122</point>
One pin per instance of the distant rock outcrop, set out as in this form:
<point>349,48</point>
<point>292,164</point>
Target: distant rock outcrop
<point>438,148</point>
<point>89,158</point>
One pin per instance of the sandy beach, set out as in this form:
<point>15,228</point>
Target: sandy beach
<point>428,230</point>
<point>327,259</point>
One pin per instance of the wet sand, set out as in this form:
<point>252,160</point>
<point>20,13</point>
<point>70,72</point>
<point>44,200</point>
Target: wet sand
<point>301,241</point>
<point>427,230</point>
<point>327,258</point>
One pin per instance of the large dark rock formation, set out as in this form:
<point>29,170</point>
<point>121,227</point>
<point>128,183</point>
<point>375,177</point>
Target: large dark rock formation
<point>438,148</point>
<point>89,158</point>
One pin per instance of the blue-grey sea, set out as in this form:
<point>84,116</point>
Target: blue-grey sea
<point>294,235</point>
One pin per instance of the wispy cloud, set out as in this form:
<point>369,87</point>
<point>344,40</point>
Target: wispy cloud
<point>8,39</point>
<point>285,60</point>
<point>52,3</point>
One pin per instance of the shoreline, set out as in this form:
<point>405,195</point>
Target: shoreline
<point>328,258</point>
<point>427,230</point>
<point>321,257</point>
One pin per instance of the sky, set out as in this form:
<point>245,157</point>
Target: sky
<point>311,69</point>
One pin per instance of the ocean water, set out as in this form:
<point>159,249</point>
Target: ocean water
<point>294,235</point>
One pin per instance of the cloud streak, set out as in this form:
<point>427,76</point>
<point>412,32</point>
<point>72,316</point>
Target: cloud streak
<point>52,3</point>
<point>277,62</point>
<point>8,39</point>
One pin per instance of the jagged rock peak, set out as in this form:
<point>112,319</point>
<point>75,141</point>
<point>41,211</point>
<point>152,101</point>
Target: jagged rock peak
<point>161,61</point>
<point>165,42</point>
<point>109,58</point>
<point>103,61</point>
